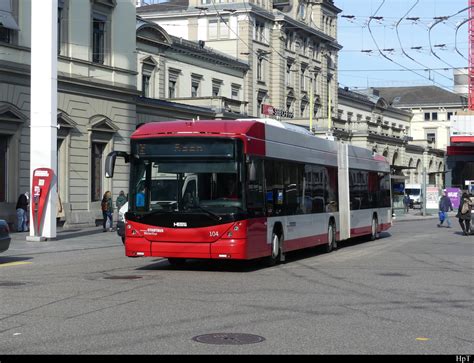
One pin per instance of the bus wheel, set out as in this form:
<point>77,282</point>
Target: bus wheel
<point>177,262</point>
<point>332,243</point>
<point>374,229</point>
<point>275,257</point>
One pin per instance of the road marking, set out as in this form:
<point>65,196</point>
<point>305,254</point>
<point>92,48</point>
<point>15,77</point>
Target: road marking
<point>8,264</point>
<point>422,339</point>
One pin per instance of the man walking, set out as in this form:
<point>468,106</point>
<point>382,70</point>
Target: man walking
<point>406,203</point>
<point>444,207</point>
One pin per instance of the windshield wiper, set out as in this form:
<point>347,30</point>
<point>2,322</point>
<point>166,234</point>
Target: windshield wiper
<point>213,215</point>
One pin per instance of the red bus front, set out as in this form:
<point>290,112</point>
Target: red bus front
<point>188,200</point>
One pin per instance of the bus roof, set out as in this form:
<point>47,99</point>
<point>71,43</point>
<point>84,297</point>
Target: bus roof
<point>229,127</point>
<point>280,140</point>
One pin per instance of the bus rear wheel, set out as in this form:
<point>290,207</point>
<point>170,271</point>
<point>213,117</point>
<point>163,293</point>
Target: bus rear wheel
<point>374,229</point>
<point>332,243</point>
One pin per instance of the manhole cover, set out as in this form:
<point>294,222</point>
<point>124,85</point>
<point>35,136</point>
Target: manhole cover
<point>122,277</point>
<point>10,283</point>
<point>229,339</point>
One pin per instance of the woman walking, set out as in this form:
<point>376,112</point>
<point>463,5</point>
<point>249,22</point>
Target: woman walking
<point>107,211</point>
<point>464,214</point>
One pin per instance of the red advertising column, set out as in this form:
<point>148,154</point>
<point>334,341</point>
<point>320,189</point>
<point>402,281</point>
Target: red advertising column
<point>42,178</point>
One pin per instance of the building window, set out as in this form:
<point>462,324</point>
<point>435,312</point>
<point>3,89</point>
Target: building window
<point>195,85</point>
<point>427,116</point>
<point>259,34</point>
<point>260,69</point>
<point>235,92</point>
<point>173,76</point>
<point>4,35</point>
<point>289,79</point>
<point>8,24</point>
<point>96,170</point>
<point>434,116</point>
<point>450,114</point>
<point>98,38</point>
<point>148,67</point>
<point>289,41</point>
<point>62,27</point>
<point>302,10</point>
<point>60,17</point>
<point>431,136</point>
<point>216,87</point>
<point>218,28</point>
<point>146,85</point>
<point>289,104</point>
<point>303,108</point>
<point>3,167</point>
<point>171,88</point>
<point>303,79</point>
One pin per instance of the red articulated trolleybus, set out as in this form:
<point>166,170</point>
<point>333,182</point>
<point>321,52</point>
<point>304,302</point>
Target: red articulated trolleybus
<point>247,189</point>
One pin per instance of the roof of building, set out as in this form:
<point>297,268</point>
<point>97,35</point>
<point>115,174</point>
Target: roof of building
<point>175,5</point>
<point>370,99</point>
<point>197,49</point>
<point>420,95</point>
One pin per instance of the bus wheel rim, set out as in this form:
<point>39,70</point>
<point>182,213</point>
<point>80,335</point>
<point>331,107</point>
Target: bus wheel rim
<point>275,246</point>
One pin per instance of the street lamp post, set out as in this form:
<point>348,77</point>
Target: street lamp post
<point>423,192</point>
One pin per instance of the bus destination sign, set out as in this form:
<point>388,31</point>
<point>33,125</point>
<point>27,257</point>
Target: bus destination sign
<point>194,148</point>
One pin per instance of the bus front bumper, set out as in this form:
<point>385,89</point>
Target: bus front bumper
<point>221,249</point>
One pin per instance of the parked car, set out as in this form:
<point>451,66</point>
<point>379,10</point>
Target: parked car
<point>4,236</point>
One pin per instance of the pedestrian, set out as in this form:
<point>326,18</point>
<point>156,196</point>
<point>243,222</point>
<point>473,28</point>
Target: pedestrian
<point>406,202</point>
<point>107,211</point>
<point>22,212</point>
<point>464,214</point>
<point>445,206</point>
<point>121,200</point>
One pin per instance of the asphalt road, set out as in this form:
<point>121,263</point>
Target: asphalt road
<point>410,292</point>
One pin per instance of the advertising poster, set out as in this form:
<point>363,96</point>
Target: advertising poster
<point>455,195</point>
<point>432,197</point>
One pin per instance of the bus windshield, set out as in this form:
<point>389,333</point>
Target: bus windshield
<point>207,183</point>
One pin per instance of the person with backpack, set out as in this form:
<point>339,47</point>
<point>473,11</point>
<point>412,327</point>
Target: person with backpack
<point>107,211</point>
<point>464,214</point>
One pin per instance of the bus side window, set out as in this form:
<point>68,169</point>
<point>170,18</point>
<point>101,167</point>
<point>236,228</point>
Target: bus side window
<point>255,196</point>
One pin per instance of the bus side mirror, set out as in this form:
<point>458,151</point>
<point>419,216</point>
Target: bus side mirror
<point>110,162</point>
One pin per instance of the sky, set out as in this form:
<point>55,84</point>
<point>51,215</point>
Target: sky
<point>362,65</point>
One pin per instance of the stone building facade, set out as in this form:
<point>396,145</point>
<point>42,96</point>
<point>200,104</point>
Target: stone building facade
<point>290,46</point>
<point>96,102</point>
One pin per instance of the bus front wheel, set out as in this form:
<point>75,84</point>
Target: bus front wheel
<point>276,254</point>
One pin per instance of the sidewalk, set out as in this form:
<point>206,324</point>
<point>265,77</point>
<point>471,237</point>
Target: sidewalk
<point>66,240</point>
<point>415,215</point>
